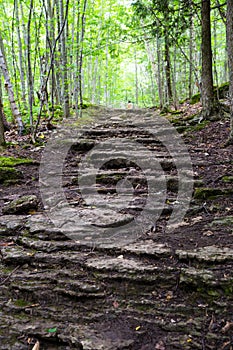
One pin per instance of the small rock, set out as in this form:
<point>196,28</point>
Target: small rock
<point>208,233</point>
<point>21,205</point>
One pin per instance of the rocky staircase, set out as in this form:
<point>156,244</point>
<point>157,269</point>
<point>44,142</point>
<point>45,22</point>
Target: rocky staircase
<point>98,269</point>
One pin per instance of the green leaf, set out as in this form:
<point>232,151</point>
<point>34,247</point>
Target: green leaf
<point>52,330</point>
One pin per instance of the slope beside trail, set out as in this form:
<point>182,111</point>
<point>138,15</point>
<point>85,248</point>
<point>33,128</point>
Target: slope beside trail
<point>94,266</point>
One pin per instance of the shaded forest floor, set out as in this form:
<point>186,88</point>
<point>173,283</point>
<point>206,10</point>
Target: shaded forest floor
<point>160,291</point>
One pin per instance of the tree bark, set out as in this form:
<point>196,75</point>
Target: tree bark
<point>65,87</point>
<point>2,137</point>
<point>209,103</point>
<point>136,78</point>
<point>191,38</point>
<point>229,36</point>
<point>160,84</point>
<point>21,63</point>
<point>15,111</point>
<point>168,69</point>
<point>30,76</point>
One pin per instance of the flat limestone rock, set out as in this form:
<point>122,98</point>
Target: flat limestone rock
<point>21,205</point>
<point>12,222</point>
<point>148,247</point>
<point>208,253</point>
<point>120,264</point>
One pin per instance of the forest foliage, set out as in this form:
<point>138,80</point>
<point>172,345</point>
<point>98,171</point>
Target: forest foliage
<point>61,55</point>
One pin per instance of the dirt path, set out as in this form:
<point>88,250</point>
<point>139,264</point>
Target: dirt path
<point>108,261</point>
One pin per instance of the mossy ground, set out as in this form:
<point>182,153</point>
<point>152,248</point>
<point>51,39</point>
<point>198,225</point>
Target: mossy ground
<point>11,161</point>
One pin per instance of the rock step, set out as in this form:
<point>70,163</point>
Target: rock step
<point>137,184</point>
<point>133,269</point>
<point>127,130</point>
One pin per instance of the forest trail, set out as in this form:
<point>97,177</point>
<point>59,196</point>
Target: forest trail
<point>124,281</point>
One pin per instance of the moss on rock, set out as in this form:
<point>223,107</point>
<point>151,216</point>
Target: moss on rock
<point>210,193</point>
<point>9,174</point>
<point>227,178</point>
<point>195,98</point>
<point>21,205</point>
<point>11,161</point>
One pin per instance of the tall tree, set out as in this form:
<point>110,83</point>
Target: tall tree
<point>30,75</point>
<point>209,102</point>
<point>64,59</point>
<point>229,35</point>
<point>21,62</point>
<point>14,108</point>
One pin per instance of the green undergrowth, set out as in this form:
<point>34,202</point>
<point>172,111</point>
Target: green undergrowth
<point>11,161</point>
<point>211,193</point>
<point>199,126</point>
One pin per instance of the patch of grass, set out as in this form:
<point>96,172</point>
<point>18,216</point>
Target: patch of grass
<point>20,303</point>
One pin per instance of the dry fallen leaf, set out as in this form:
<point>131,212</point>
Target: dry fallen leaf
<point>196,220</point>
<point>208,233</point>
<point>32,212</point>
<point>7,244</point>
<point>160,345</point>
<point>227,327</point>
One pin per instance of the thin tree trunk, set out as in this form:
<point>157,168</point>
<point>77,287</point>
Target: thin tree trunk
<point>229,35</point>
<point>65,87</point>
<point>58,60</point>
<point>49,70</point>
<point>168,69</point>
<point>215,59</point>
<point>81,51</point>
<point>15,111</point>
<point>106,75</point>
<point>94,80</point>
<point>160,85</point>
<point>30,77</point>
<point>191,58</point>
<point>21,63</point>
<point>150,53</point>
<point>2,137</point>
<point>76,80</point>
<point>136,78</point>
<point>49,15</point>
<point>174,79</point>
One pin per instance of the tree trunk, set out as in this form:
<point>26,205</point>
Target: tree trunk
<point>209,103</point>
<point>160,84</point>
<point>229,35</point>
<point>151,55</point>
<point>174,79</point>
<point>2,137</point>
<point>191,29</point>
<point>9,88</point>
<point>136,78</point>
<point>65,87</point>
<point>21,63</point>
<point>80,58</point>
<point>168,70</point>
<point>30,76</point>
